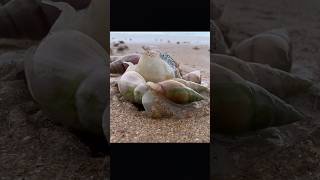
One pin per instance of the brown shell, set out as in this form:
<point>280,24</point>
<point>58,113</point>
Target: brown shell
<point>119,66</point>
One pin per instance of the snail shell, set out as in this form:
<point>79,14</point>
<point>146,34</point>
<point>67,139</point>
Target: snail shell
<point>127,84</point>
<point>119,66</point>
<point>271,47</point>
<point>153,68</point>
<point>68,78</point>
<point>217,41</point>
<point>241,106</point>
<point>106,123</point>
<point>278,82</point>
<point>157,106</point>
<point>92,21</point>
<point>172,63</point>
<point>131,67</point>
<point>194,76</point>
<point>23,19</point>
<point>195,86</point>
<point>175,91</point>
<point>74,96</point>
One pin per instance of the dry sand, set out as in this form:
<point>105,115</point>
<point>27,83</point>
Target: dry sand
<point>287,152</point>
<point>127,124</point>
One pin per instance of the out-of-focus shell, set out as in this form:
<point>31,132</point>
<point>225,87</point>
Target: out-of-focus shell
<point>194,76</point>
<point>68,80</point>
<point>241,106</point>
<point>272,47</point>
<point>92,21</point>
<point>119,66</point>
<point>106,123</point>
<point>215,11</point>
<point>276,81</point>
<point>217,41</point>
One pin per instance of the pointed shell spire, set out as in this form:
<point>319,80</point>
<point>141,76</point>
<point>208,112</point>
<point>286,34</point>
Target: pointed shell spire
<point>92,21</point>
<point>195,86</point>
<point>252,106</point>
<point>175,91</point>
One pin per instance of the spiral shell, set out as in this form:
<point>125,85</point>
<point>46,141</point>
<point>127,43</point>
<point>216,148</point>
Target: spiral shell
<point>153,68</point>
<point>157,106</point>
<point>241,106</point>
<point>272,47</point>
<point>172,63</point>
<point>23,19</point>
<point>175,91</point>
<point>74,96</point>
<point>127,84</point>
<point>194,76</point>
<point>195,86</point>
<point>276,81</point>
<point>119,66</point>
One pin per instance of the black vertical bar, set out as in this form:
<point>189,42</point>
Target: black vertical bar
<point>164,15</point>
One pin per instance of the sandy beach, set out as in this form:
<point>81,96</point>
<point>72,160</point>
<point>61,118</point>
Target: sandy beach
<point>128,124</point>
<point>291,151</point>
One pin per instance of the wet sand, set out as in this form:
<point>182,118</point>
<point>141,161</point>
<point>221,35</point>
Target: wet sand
<point>128,124</point>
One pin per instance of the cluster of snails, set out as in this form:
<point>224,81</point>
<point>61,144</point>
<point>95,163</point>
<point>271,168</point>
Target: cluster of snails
<point>154,80</point>
<point>67,78</point>
<point>252,79</point>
